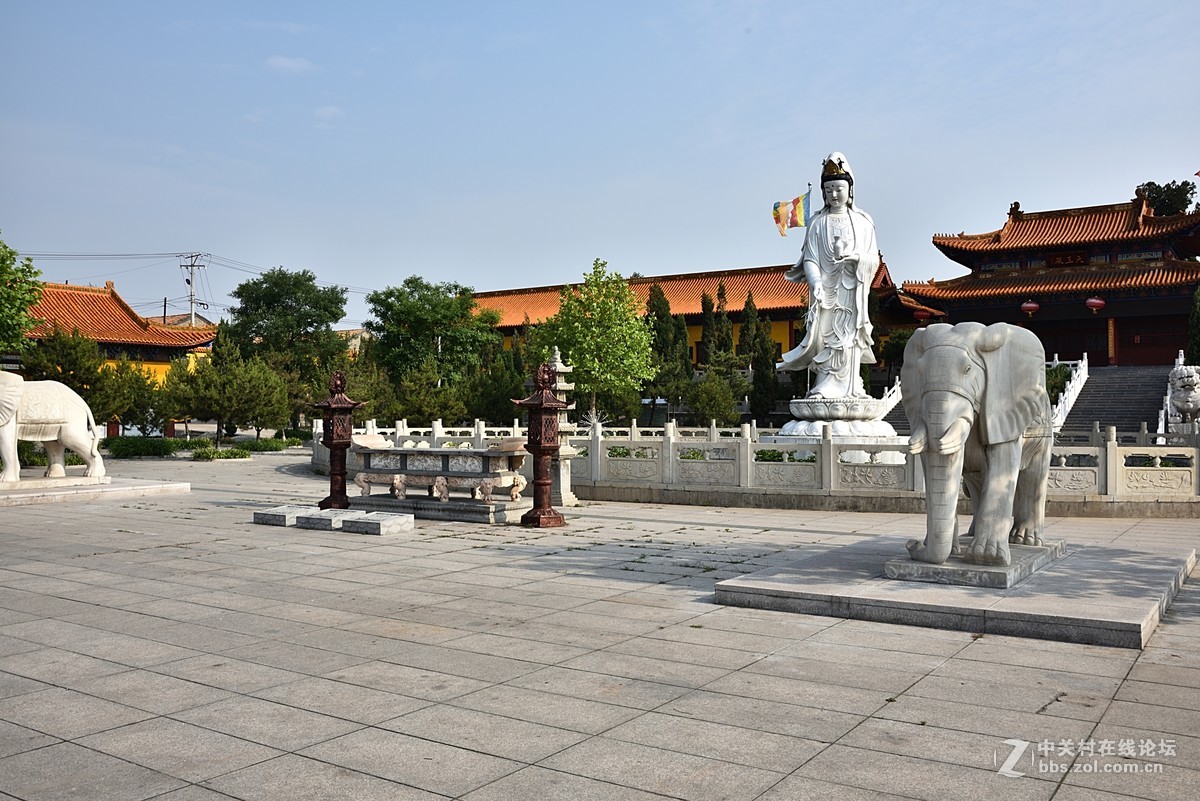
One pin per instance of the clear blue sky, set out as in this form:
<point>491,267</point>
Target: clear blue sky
<point>507,144</point>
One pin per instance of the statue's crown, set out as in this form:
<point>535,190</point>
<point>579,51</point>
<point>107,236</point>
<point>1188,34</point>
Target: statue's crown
<point>835,170</point>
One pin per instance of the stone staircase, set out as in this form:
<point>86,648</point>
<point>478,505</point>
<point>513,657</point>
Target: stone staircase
<point>1124,396</point>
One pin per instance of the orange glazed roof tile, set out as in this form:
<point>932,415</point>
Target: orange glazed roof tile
<point>1120,222</point>
<point>99,313</point>
<point>1162,275</point>
<point>772,293</point>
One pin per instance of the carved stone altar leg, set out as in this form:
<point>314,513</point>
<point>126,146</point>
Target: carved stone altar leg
<point>519,483</point>
<point>399,487</point>
<point>442,488</point>
<point>363,484</point>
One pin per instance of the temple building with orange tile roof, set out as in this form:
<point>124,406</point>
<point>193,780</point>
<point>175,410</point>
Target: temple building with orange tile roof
<point>783,301</point>
<point>1115,281</point>
<point>100,314</point>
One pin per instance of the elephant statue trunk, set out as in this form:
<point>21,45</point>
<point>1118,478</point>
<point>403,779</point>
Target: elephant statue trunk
<point>976,398</point>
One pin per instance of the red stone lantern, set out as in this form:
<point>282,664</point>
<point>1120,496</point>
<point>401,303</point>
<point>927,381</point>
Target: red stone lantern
<point>1094,303</point>
<point>1030,307</point>
<point>544,408</point>
<point>337,412</point>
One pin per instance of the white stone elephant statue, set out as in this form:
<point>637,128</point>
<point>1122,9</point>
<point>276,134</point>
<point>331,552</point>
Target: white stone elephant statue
<point>50,413</point>
<point>976,398</point>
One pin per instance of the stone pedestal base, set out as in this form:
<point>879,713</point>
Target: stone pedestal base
<point>1025,561</point>
<point>467,511</point>
<point>54,483</point>
<point>560,480</point>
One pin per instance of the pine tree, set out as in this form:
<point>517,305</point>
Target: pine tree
<point>723,338</point>
<point>708,329</point>
<point>764,390</point>
<point>748,335</point>
<point>1192,354</point>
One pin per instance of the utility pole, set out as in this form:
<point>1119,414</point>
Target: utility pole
<point>193,264</point>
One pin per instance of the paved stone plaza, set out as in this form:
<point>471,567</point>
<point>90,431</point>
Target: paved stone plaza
<point>168,648</point>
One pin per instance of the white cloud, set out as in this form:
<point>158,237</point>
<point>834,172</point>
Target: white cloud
<point>292,66</point>
<point>329,114</point>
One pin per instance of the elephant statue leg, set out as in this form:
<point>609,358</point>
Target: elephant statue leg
<point>8,451</point>
<point>993,514</point>
<point>56,459</point>
<point>1029,505</point>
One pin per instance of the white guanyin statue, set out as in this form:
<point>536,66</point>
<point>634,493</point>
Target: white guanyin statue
<point>838,262</point>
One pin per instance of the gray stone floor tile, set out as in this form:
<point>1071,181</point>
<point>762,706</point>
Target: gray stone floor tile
<point>56,666</point>
<point>480,666</point>
<point>1142,671</point>
<point>228,673</point>
<point>552,785</point>
<point>277,725</point>
<point>1153,717</point>
<point>527,650</point>
<point>296,778</point>
<point>673,651</point>
<point>406,630</point>
<point>484,732</point>
<point>1161,694</point>
<point>811,723</point>
<point>744,744</point>
<point>919,778</point>
<point>428,685</point>
<point>16,739</point>
<point>11,684</point>
<point>854,700</point>
<point>150,691</point>
<point>641,667</point>
<point>193,792</point>
<point>803,788</point>
<point>179,749</point>
<point>606,688</point>
<point>984,694</point>
<point>660,771</point>
<point>294,658</point>
<point>430,766</point>
<point>341,700</point>
<point>69,772</point>
<point>1152,781</point>
<point>67,714</point>
<point>848,674</point>
<point>996,723</point>
<point>551,709</point>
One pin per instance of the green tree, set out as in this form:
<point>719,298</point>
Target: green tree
<point>764,385</point>
<point>600,332</point>
<point>366,382</point>
<point>426,397</point>
<point>712,398</point>
<point>70,358</point>
<point>232,391</point>
<point>663,348</point>
<point>127,391</point>
<point>287,320</point>
<point>723,327</point>
<point>708,329</point>
<point>748,333</point>
<point>1170,198</point>
<point>418,321</point>
<point>20,291</point>
<point>489,394</point>
<point>1192,354</point>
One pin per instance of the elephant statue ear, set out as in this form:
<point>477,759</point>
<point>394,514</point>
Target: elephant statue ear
<point>1014,395</point>
<point>910,375</point>
<point>11,387</point>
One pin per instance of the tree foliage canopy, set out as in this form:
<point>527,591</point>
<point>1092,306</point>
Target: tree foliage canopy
<point>600,332</point>
<point>70,358</point>
<point>19,291</point>
<point>1173,197</point>
<point>286,314</point>
<point>418,321</point>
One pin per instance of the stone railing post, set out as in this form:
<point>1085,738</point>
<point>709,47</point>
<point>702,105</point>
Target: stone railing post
<point>436,432</point>
<point>667,457</point>
<point>745,457</point>
<point>480,434</point>
<point>713,434</point>
<point>369,427</point>
<point>827,457</point>
<point>1114,465</point>
<point>401,428</point>
<point>594,452</point>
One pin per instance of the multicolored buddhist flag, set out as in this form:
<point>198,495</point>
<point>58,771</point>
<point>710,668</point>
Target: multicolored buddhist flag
<point>791,213</point>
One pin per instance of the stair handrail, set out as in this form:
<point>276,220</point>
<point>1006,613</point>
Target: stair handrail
<point>1070,393</point>
<point>891,398</point>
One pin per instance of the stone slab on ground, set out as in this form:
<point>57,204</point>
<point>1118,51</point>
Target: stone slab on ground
<point>29,492</point>
<point>461,510</point>
<point>326,519</point>
<point>281,515</point>
<point>1096,594</point>
<point>379,523</point>
<point>1026,560</point>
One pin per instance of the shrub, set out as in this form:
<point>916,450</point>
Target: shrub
<point>130,447</point>
<point>1056,381</point>
<point>209,453</point>
<point>768,456</point>
<point>691,454</point>
<point>302,434</point>
<point>32,454</point>
<point>264,445</point>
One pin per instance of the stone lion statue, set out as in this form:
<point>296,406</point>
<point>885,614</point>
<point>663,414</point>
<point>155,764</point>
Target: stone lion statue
<point>1185,391</point>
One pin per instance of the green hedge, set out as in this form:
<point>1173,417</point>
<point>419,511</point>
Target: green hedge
<point>208,454</point>
<point>32,454</point>
<point>130,447</point>
<point>302,434</point>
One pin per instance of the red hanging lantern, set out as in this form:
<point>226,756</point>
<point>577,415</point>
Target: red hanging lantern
<point>1030,307</point>
<point>1094,303</point>
<point>922,314</point>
